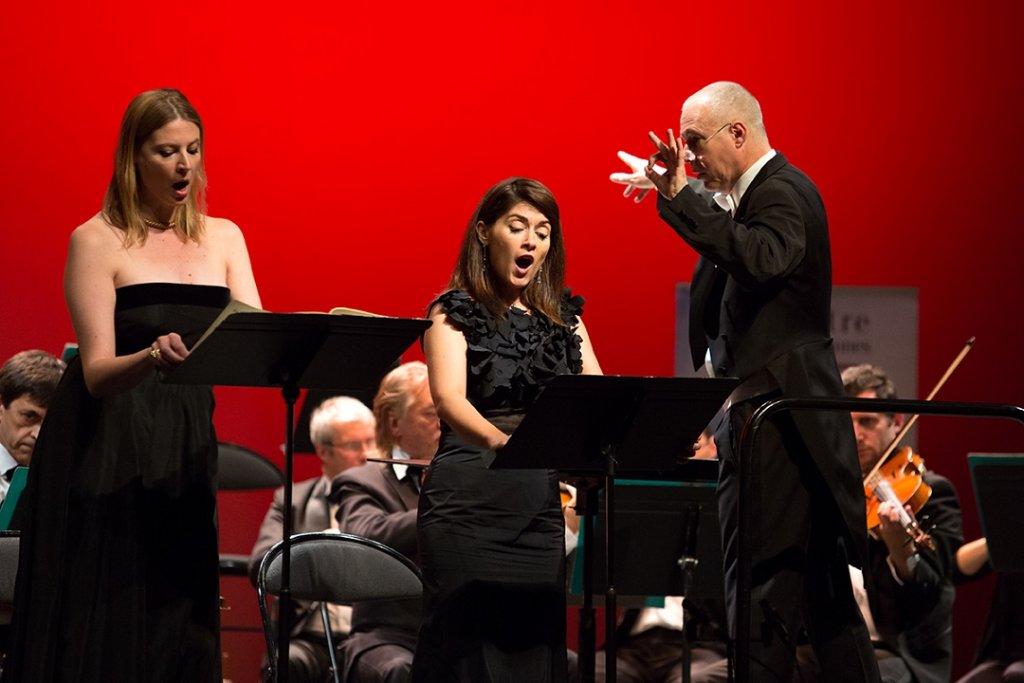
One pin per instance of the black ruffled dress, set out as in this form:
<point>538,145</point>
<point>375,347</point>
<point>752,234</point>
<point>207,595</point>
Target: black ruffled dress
<point>492,542</point>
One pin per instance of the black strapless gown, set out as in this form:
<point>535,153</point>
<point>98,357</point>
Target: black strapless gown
<point>492,542</point>
<point>118,577</point>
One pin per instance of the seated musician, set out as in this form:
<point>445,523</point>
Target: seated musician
<point>379,501</point>
<point>342,431</point>
<point>909,599</point>
<point>27,382</point>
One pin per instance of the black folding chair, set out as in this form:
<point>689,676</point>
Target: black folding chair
<point>329,567</point>
<point>242,469</point>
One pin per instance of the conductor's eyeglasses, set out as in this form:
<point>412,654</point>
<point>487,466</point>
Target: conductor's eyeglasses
<point>695,143</point>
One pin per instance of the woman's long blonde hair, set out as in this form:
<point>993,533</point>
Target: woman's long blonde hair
<point>148,112</point>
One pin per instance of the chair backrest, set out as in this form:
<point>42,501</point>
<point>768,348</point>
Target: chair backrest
<point>10,542</point>
<point>341,568</point>
<point>242,469</point>
<point>338,568</point>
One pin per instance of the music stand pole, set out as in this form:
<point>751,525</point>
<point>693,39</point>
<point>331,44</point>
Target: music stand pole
<point>588,488</point>
<point>290,393</point>
<point>686,655</point>
<point>293,350</point>
<point>688,563</point>
<point>610,664</point>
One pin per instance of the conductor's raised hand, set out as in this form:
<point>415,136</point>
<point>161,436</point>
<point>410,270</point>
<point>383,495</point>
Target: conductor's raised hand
<point>636,179</point>
<point>671,154</point>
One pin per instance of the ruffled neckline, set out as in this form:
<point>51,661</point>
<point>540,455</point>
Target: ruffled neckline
<point>509,360</point>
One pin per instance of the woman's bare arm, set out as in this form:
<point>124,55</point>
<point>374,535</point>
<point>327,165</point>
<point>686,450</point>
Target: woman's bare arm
<point>445,349</point>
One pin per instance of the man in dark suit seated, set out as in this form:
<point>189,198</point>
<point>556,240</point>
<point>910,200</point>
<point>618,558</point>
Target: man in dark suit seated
<point>342,431</point>
<point>379,501</point>
<point>27,381</point>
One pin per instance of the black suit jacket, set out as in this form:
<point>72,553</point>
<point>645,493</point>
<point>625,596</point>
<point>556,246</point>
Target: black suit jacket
<point>760,300</point>
<point>916,619</point>
<point>373,503</point>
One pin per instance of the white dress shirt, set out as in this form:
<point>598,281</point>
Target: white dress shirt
<point>731,200</point>
<point>7,463</point>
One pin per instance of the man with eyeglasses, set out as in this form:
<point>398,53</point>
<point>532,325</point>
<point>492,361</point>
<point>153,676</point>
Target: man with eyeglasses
<point>759,310</point>
<point>343,433</point>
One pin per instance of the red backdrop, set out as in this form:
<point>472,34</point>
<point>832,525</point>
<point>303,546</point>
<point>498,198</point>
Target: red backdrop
<point>352,141</point>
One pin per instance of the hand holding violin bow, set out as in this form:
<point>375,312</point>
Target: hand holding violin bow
<point>895,488</point>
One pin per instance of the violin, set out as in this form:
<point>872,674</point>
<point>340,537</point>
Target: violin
<point>900,482</point>
<point>564,494</point>
<point>899,479</point>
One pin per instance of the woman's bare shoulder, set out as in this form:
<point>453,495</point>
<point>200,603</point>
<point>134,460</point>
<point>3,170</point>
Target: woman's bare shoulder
<point>220,227</point>
<point>223,232</point>
<point>97,233</point>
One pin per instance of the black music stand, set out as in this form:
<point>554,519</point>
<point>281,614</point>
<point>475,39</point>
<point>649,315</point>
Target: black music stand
<point>998,481</point>
<point>604,425</point>
<point>293,351</point>
<point>662,522</point>
<point>668,544</point>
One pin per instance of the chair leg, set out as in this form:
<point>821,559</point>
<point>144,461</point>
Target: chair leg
<point>268,632</point>
<point>330,642</point>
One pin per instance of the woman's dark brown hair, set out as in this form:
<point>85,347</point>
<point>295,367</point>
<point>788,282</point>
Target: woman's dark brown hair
<point>544,293</point>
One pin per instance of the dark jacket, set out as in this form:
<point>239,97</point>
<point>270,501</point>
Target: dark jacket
<point>310,512</point>
<point>373,503</point>
<point>915,619</point>
<point>761,298</point>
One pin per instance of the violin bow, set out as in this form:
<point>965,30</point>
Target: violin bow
<point>913,418</point>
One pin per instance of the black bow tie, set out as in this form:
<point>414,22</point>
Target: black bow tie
<point>9,474</point>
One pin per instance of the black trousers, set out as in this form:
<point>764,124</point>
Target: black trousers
<point>656,655</point>
<point>800,575</point>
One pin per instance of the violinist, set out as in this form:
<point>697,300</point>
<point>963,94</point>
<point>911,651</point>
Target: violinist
<point>909,599</point>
